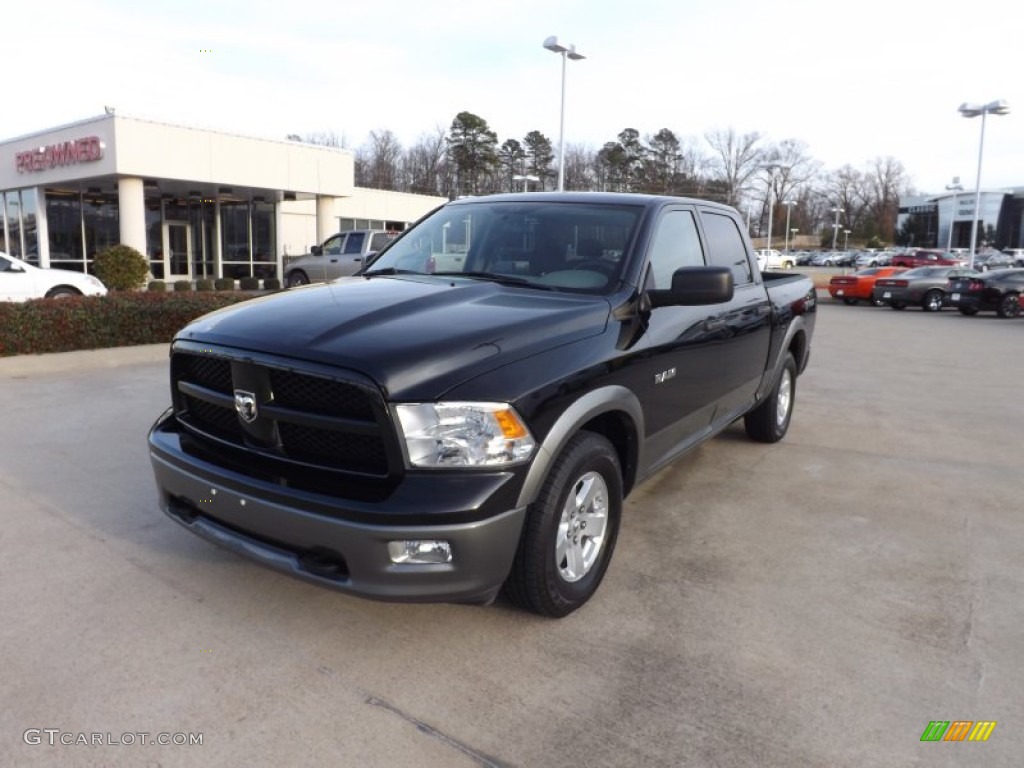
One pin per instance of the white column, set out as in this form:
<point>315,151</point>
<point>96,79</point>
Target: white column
<point>131,212</point>
<point>326,223</point>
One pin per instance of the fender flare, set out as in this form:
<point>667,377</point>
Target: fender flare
<point>603,400</point>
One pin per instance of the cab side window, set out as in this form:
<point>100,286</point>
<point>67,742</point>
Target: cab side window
<point>725,246</point>
<point>675,245</point>
<point>354,244</point>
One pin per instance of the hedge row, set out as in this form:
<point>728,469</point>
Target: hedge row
<point>91,322</point>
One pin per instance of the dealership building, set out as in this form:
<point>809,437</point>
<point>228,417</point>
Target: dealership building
<point>196,202</point>
<point>937,220</point>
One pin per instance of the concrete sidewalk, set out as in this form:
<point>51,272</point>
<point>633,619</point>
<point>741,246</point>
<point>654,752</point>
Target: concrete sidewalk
<point>22,366</point>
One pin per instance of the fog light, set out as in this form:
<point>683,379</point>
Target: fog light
<point>419,552</point>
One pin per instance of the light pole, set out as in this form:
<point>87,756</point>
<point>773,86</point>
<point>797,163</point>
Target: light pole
<point>789,207</point>
<point>999,107</point>
<point>569,52</point>
<point>846,239</point>
<point>835,227</point>
<point>526,179</point>
<point>771,168</point>
<point>955,187</point>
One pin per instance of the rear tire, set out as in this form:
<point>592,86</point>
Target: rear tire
<point>1009,306</point>
<point>570,530</point>
<point>932,301</point>
<point>769,422</point>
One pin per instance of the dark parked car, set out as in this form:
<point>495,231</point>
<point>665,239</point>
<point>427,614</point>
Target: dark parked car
<point>998,290</point>
<point>924,286</point>
<point>983,262</point>
<point>922,257</point>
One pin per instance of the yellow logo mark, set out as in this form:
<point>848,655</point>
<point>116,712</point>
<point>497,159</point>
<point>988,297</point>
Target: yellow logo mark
<point>982,730</point>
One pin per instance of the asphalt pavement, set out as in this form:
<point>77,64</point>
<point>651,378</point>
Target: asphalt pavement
<point>813,603</point>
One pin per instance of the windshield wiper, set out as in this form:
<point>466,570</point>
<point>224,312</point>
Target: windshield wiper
<point>498,278</point>
<point>390,271</point>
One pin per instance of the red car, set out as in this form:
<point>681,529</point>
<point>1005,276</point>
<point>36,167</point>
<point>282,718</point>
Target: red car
<point>926,258</point>
<point>858,286</point>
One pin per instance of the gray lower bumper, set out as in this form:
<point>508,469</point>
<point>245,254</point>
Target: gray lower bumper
<point>340,554</point>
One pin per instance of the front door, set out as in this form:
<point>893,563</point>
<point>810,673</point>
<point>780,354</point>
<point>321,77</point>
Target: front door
<point>177,250</point>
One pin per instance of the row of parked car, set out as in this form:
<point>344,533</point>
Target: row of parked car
<point>932,288</point>
<point>984,260</point>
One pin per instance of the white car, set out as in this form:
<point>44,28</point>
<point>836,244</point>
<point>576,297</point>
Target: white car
<point>772,259</point>
<point>20,281</point>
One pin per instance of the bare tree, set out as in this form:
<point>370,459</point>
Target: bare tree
<point>425,165</point>
<point>734,160</point>
<point>886,180</point>
<point>382,157</point>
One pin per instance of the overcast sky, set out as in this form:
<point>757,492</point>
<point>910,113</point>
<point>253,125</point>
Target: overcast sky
<point>853,81</point>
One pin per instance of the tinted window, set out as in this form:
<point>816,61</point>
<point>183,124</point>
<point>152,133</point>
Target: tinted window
<point>380,239</point>
<point>725,246</point>
<point>675,245</point>
<point>354,244</point>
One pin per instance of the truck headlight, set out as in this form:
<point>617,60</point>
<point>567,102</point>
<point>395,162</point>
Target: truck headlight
<point>463,434</point>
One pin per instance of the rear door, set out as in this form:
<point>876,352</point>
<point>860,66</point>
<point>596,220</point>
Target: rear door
<point>16,282</point>
<point>743,325</point>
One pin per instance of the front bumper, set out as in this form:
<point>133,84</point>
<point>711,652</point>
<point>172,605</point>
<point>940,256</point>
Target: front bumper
<point>339,543</point>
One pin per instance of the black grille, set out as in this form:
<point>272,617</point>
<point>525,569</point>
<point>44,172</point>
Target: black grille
<point>364,453</point>
<point>211,372</point>
<point>213,419</point>
<point>352,437</point>
<point>319,395</point>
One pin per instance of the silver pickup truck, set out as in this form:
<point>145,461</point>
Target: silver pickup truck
<point>339,255</point>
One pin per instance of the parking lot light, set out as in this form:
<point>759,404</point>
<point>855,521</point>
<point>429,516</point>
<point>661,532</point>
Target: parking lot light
<point>955,187</point>
<point>566,52</point>
<point>789,207</point>
<point>835,227</point>
<point>998,107</point>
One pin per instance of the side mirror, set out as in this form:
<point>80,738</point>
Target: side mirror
<point>695,286</point>
<point>317,250</point>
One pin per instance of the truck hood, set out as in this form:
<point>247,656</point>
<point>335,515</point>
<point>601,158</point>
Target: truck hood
<point>417,336</point>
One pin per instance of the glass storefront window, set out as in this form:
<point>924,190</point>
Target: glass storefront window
<point>264,240</point>
<point>154,238</point>
<point>29,231</point>
<point>12,206</point>
<point>100,221</point>
<point>64,228</point>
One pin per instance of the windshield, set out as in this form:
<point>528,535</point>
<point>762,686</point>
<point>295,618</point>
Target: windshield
<point>566,246</point>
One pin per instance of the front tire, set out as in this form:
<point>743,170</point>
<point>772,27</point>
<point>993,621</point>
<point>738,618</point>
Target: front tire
<point>570,530</point>
<point>769,422</point>
<point>932,301</point>
<point>297,278</point>
<point>62,292</point>
<point>1009,306</point>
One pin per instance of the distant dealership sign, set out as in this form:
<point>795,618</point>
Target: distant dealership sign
<point>84,150</point>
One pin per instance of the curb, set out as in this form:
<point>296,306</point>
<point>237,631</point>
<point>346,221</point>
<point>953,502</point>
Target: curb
<point>23,366</point>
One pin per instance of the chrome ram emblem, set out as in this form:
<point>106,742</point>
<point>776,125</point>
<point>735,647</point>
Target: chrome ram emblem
<point>245,405</point>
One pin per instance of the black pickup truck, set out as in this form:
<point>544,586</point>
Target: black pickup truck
<point>468,412</point>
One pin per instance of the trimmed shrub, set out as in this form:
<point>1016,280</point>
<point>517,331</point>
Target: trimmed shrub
<point>92,322</point>
<point>157,285</point>
<point>182,285</point>
<point>224,284</point>
<point>272,284</point>
<point>121,268</point>
<point>204,285</point>
<point>249,283</point>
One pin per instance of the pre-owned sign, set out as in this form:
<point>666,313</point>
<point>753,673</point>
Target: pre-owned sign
<point>85,150</point>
